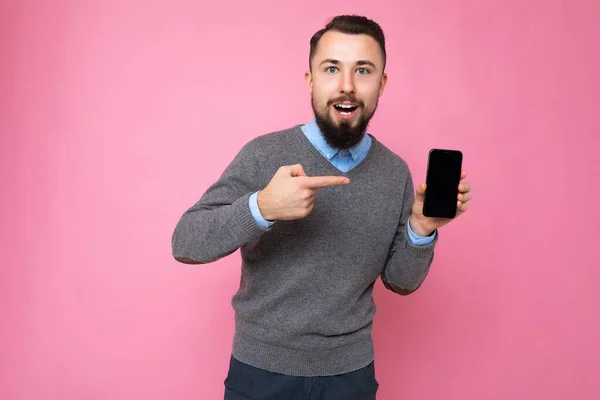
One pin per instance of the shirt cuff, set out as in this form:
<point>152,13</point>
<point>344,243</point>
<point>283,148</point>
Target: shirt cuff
<point>419,240</point>
<point>253,202</point>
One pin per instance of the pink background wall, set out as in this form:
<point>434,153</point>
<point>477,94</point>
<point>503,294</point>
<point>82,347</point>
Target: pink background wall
<point>116,116</point>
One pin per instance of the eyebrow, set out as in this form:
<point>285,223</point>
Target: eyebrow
<point>336,62</point>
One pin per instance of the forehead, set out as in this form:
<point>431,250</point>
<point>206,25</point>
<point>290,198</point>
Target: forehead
<point>348,48</point>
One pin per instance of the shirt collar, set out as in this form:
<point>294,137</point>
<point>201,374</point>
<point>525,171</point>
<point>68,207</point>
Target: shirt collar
<point>315,136</point>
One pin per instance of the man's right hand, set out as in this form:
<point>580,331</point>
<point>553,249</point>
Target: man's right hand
<point>290,194</point>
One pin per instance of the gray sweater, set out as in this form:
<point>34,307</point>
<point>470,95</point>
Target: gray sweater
<point>305,306</point>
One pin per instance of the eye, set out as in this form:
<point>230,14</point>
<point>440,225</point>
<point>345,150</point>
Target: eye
<point>362,71</point>
<point>331,69</point>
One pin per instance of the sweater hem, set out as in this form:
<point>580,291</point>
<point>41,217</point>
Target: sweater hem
<point>295,362</point>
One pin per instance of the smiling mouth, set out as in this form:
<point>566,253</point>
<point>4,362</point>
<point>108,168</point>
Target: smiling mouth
<point>345,110</point>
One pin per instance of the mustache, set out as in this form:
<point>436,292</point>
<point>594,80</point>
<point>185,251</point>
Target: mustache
<point>349,98</point>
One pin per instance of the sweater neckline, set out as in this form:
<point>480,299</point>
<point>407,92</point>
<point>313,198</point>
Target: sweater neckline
<point>303,141</point>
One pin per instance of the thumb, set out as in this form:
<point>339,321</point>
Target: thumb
<point>297,170</point>
<point>420,195</point>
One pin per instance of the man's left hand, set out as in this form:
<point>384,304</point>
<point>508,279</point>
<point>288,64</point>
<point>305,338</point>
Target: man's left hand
<point>424,226</point>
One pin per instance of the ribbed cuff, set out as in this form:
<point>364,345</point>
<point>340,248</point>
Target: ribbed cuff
<point>421,250</point>
<point>244,218</point>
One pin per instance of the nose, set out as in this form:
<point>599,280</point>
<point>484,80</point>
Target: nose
<point>347,82</point>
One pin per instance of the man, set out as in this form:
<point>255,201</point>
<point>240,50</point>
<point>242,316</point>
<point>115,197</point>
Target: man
<point>319,212</point>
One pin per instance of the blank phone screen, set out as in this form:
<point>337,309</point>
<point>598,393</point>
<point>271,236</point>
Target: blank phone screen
<point>443,177</point>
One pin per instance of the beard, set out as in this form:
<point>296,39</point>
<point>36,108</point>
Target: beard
<point>343,134</point>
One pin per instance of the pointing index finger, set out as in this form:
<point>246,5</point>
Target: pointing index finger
<point>315,182</point>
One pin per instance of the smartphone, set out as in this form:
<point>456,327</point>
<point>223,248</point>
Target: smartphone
<point>444,167</point>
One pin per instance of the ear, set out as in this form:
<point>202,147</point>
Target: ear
<point>309,81</point>
<point>382,83</point>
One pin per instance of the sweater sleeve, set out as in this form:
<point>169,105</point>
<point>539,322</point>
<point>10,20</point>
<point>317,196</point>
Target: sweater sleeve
<point>407,264</point>
<point>221,221</point>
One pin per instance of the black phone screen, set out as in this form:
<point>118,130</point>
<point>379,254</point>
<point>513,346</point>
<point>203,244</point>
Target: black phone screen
<point>443,177</point>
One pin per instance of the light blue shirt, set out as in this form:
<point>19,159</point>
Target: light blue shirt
<point>344,160</point>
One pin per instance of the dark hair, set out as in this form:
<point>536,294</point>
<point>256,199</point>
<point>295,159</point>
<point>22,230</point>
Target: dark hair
<point>353,25</point>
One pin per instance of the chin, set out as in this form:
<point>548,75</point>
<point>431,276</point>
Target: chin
<point>339,121</point>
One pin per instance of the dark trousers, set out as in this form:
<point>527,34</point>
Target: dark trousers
<point>245,382</point>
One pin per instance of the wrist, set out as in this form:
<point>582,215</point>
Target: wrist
<point>419,230</point>
<point>263,207</point>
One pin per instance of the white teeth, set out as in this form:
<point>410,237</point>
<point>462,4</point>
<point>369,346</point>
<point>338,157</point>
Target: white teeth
<point>349,107</point>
